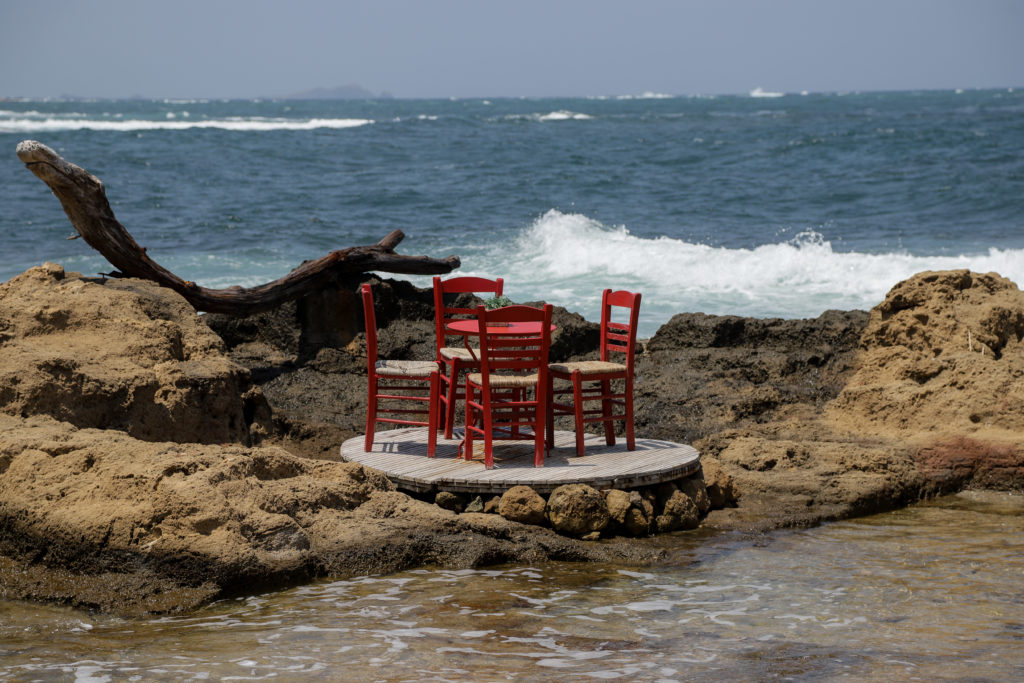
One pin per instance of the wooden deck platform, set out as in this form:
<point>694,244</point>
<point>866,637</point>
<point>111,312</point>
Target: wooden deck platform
<point>402,455</point>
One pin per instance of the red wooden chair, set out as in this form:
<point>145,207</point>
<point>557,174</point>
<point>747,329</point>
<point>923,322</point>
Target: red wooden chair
<point>402,381</point>
<point>456,357</point>
<point>510,391</point>
<point>592,380</point>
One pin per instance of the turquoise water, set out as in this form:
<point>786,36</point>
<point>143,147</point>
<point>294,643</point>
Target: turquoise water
<point>932,592</point>
<point>783,206</point>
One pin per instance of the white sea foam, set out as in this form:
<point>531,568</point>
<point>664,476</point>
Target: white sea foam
<point>560,115</point>
<point>760,92</point>
<point>31,124</point>
<point>568,259</point>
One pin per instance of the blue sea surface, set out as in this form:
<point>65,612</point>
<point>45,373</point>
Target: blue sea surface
<point>764,206</point>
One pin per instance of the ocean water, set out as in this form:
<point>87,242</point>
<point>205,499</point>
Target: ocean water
<point>751,205</point>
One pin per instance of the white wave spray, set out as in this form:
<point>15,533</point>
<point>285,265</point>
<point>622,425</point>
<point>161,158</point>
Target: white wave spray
<point>568,259</point>
<point>31,124</point>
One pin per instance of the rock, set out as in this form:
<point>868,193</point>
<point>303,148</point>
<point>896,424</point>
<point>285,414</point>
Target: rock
<point>630,512</point>
<point>958,462</point>
<point>618,503</point>
<point>695,488</point>
<point>475,505</point>
<point>491,505</point>
<point>86,513</point>
<point>577,510</point>
<point>449,501</point>
<point>702,374</point>
<point>522,504</point>
<point>120,354</point>
<point>717,483</point>
<point>943,354</point>
<point>679,512</point>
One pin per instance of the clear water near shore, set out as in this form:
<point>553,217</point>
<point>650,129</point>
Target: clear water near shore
<point>786,206</point>
<point>932,592</point>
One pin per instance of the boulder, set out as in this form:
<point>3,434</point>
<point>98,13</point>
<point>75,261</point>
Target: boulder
<point>695,488</point>
<point>631,514</point>
<point>522,504</point>
<point>717,483</point>
<point>577,510</point>
<point>679,512</point>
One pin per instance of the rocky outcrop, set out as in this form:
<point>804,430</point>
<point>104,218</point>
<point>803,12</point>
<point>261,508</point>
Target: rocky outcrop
<point>701,373</point>
<point>145,464</point>
<point>929,402</point>
<point>85,513</point>
<point>943,354</point>
<point>122,355</point>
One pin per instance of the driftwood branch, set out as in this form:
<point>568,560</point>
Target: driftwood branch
<point>85,202</point>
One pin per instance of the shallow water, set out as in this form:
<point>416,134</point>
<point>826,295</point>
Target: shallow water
<point>930,592</point>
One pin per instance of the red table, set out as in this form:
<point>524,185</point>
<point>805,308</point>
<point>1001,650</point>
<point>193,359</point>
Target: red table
<point>472,326</point>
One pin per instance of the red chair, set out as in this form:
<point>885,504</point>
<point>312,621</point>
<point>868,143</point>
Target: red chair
<point>510,391</point>
<point>592,380</point>
<point>456,358</point>
<point>409,377</point>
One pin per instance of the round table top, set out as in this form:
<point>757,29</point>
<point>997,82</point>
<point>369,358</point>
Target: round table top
<point>471,326</point>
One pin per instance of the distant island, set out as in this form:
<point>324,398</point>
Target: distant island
<point>341,92</point>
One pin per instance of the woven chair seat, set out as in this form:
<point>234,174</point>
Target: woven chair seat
<point>505,381</point>
<point>405,368</point>
<point>587,367</point>
<point>453,352</point>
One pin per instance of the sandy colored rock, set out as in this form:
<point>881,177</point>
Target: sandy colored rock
<point>695,488</point>
<point>717,483</point>
<point>119,354</point>
<point>86,512</point>
<point>522,504</point>
<point>678,512</point>
<point>577,510</point>
<point>630,513</point>
<point>943,354</point>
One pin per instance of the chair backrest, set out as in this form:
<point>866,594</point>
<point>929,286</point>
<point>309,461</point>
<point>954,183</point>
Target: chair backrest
<point>519,354</point>
<point>445,312</point>
<point>618,336</point>
<point>371,327</point>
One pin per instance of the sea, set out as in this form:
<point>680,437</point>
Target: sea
<point>762,204</point>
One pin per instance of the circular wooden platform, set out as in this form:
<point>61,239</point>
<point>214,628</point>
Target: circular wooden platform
<point>402,455</point>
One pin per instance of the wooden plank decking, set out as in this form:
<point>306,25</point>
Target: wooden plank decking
<point>402,455</point>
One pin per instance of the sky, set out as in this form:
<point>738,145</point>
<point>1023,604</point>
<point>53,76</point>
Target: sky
<point>520,48</point>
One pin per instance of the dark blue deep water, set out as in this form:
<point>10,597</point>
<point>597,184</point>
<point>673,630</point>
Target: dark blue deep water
<point>765,206</point>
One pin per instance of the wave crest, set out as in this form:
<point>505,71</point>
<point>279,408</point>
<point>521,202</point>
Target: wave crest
<point>30,124</point>
<point>568,259</point>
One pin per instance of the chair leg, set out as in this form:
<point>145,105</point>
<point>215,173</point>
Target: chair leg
<point>577,400</point>
<point>488,420</point>
<point>453,386</point>
<point>432,415</point>
<point>467,440</point>
<point>371,413</point>
<point>630,435</point>
<point>606,412</point>
<point>539,425</point>
<point>549,417</point>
